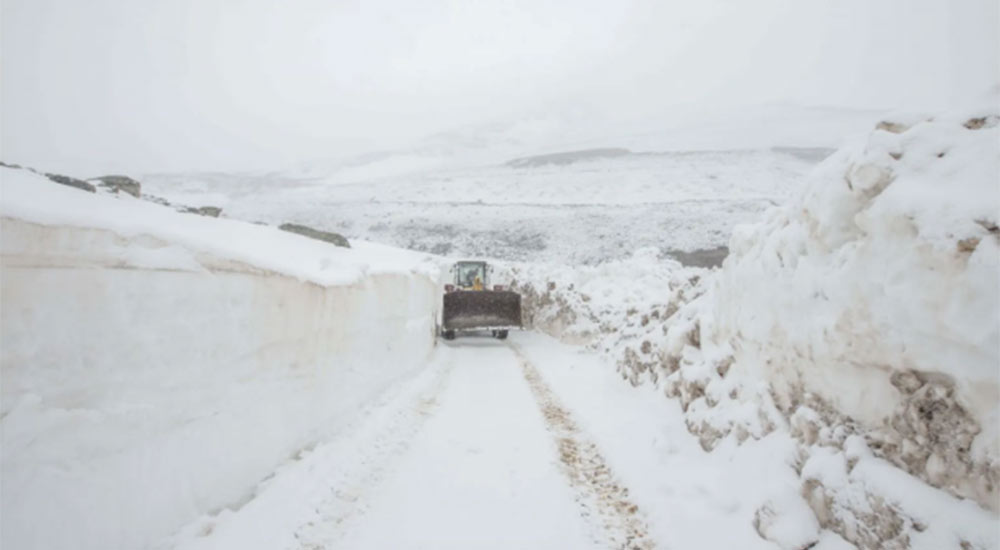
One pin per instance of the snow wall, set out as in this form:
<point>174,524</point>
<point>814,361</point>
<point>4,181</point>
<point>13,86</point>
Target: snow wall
<point>875,297</point>
<point>147,382</point>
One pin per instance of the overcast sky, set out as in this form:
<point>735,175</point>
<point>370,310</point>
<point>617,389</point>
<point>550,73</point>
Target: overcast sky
<point>96,86</point>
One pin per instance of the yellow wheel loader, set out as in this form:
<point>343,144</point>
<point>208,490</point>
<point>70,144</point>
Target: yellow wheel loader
<point>470,303</point>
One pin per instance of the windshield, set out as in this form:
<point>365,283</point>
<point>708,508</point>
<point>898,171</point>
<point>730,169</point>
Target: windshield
<point>468,272</point>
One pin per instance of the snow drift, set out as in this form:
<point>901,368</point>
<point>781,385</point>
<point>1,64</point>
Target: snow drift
<point>860,318</point>
<point>157,366</point>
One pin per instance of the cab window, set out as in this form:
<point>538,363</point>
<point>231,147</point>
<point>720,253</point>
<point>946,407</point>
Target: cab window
<point>467,274</point>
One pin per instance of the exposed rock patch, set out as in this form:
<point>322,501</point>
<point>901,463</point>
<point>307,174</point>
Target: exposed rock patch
<point>72,182</point>
<point>328,236</point>
<point>978,123</point>
<point>120,184</point>
<point>210,211</point>
<point>709,257</point>
<point>568,157</point>
<point>892,127</point>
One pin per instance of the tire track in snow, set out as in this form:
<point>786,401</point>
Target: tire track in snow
<point>603,500</point>
<point>380,448</point>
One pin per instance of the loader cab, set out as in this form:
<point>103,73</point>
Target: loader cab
<point>471,275</point>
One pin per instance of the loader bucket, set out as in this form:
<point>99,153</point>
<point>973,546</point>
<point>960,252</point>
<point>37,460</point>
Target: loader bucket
<point>496,309</point>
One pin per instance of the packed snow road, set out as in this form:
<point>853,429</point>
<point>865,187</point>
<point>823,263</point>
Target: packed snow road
<point>479,450</point>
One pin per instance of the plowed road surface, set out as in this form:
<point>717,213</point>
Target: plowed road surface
<point>519,444</point>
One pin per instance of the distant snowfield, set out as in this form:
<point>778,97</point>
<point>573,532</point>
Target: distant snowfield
<point>584,211</point>
<point>677,188</point>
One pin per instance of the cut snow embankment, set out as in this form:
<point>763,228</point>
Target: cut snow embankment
<point>860,318</point>
<point>156,365</point>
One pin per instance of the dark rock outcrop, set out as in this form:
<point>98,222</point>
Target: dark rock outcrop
<point>568,157</point>
<point>72,182</point>
<point>157,200</point>
<point>306,231</point>
<point>58,178</point>
<point>117,184</point>
<point>707,258</point>
<point>210,211</point>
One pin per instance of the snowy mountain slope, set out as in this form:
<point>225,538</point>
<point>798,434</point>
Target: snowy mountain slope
<point>860,317</point>
<point>580,212</point>
<point>687,178</point>
<point>158,365</point>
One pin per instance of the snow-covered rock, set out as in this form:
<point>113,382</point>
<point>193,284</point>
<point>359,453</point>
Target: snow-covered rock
<point>157,366</point>
<point>120,184</point>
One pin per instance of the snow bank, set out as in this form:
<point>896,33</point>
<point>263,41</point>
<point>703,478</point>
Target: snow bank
<point>861,318</point>
<point>875,294</point>
<point>605,305</point>
<point>156,365</point>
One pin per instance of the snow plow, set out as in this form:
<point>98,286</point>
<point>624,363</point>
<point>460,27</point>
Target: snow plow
<point>471,304</point>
